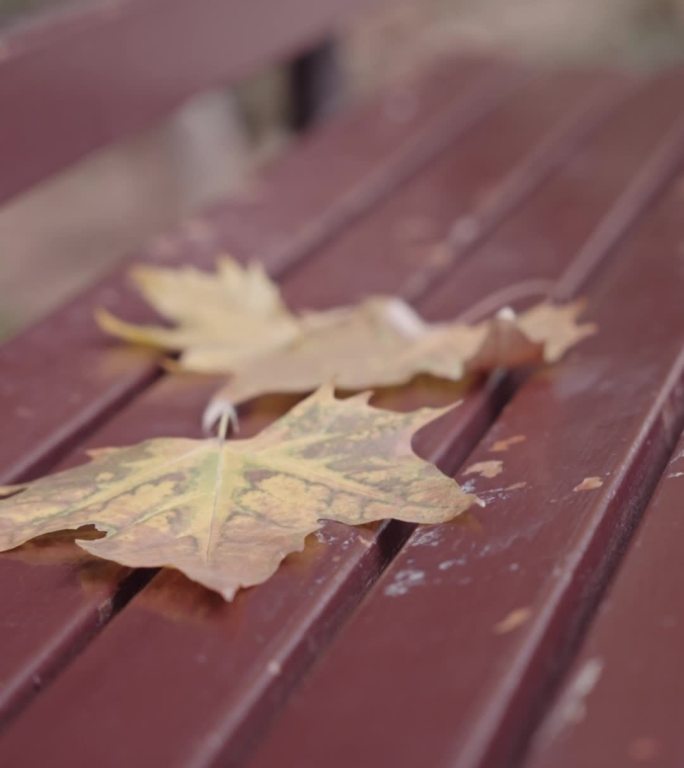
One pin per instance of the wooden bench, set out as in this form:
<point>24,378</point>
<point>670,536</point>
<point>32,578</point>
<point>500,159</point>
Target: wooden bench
<point>485,642</point>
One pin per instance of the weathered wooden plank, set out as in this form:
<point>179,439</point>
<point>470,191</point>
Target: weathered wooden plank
<point>435,219</point>
<point>75,79</point>
<point>233,663</point>
<point>54,632</point>
<point>294,207</point>
<point>621,703</point>
<point>459,639</point>
<point>562,213</point>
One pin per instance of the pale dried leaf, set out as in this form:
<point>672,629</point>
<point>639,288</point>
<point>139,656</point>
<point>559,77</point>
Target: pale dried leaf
<point>363,346</point>
<point>226,513</point>
<point>221,319</point>
<point>235,322</point>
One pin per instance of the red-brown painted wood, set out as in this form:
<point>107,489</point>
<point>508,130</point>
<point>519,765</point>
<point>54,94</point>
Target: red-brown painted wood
<point>449,657</point>
<point>61,627</point>
<point>294,207</point>
<point>89,378</point>
<point>621,703</point>
<point>634,154</point>
<point>75,79</point>
<point>229,666</point>
<point>434,219</point>
<point>239,646</point>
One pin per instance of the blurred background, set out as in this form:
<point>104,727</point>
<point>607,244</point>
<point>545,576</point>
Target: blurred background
<point>65,232</point>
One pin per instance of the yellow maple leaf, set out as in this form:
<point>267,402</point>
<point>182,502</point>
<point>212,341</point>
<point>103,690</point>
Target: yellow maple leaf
<point>226,513</point>
<point>230,316</point>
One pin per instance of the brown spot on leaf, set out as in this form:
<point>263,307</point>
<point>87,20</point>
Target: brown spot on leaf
<point>485,468</point>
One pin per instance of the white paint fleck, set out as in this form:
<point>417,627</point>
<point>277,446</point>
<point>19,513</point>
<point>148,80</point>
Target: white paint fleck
<point>273,667</point>
<point>446,564</point>
<point>324,537</point>
<point>677,474</point>
<point>426,538</point>
<point>468,486</point>
<point>404,581</point>
<point>572,708</point>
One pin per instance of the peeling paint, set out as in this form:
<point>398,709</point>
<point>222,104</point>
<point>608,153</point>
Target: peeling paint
<point>404,581</point>
<point>486,469</point>
<point>506,443</point>
<point>588,484</point>
<point>516,618</point>
<point>427,538</point>
<point>572,708</point>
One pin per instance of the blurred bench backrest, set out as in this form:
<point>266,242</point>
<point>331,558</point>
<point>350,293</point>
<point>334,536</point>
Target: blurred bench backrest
<point>84,75</point>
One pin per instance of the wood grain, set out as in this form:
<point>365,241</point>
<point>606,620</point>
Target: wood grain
<point>621,701</point>
<point>431,661</point>
<point>291,211</point>
<point>232,666</point>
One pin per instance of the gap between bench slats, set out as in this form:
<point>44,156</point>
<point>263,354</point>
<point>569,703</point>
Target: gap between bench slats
<point>92,379</point>
<point>621,703</point>
<point>450,657</point>
<point>227,660</point>
<point>64,618</point>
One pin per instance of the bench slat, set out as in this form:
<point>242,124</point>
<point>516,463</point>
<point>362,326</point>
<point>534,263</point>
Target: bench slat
<point>460,659</point>
<point>92,379</point>
<point>76,79</point>
<point>432,221</point>
<point>629,160</point>
<point>48,636</point>
<point>620,704</point>
<point>245,657</point>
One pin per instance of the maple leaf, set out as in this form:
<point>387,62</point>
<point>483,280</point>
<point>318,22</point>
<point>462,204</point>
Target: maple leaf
<point>226,513</point>
<point>221,319</point>
<point>235,322</point>
<point>382,342</point>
